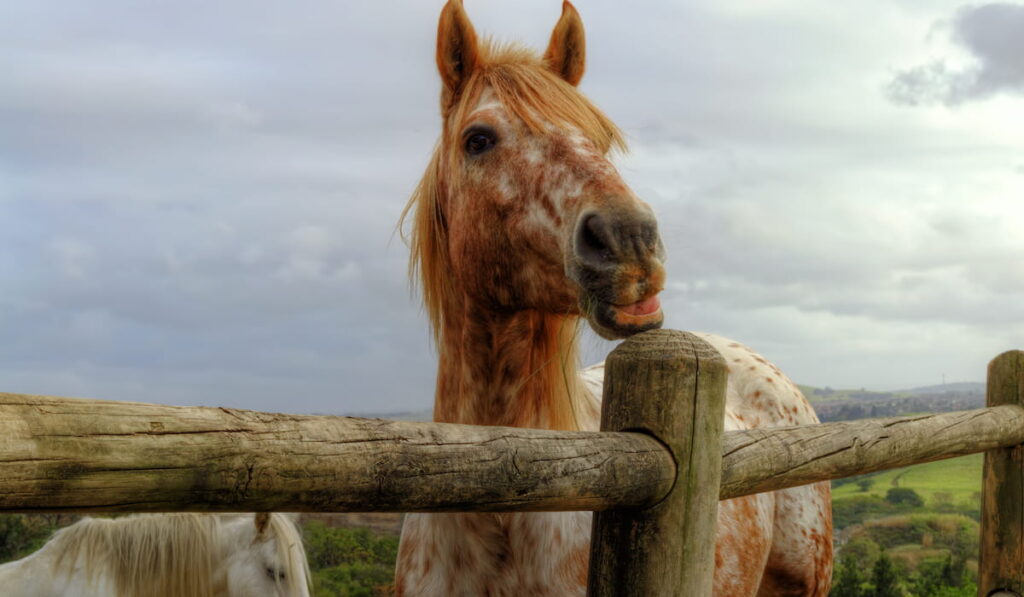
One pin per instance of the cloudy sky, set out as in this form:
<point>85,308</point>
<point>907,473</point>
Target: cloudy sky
<point>198,199</point>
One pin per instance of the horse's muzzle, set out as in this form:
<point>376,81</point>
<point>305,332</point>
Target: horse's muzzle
<point>617,258</point>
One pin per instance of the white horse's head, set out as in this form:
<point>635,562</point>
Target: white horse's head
<point>171,555</point>
<point>264,557</point>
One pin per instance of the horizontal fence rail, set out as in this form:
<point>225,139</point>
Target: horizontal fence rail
<point>652,474</point>
<point>760,460</point>
<point>63,454</point>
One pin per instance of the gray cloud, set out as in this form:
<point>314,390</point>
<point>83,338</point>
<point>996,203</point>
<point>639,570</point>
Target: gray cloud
<point>202,210</point>
<point>994,36</point>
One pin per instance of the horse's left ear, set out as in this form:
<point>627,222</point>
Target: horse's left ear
<point>566,54</point>
<point>262,519</point>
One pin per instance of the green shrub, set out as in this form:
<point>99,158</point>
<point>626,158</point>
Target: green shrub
<point>350,562</point>
<point>884,579</point>
<point>904,495</point>
<point>22,534</point>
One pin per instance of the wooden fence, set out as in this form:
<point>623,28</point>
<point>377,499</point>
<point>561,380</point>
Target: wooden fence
<point>650,474</point>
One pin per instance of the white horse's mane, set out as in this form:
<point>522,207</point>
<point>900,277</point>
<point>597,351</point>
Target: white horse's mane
<point>291,552</point>
<point>172,555</point>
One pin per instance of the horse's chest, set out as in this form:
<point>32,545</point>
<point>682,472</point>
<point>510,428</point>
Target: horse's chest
<point>494,555</point>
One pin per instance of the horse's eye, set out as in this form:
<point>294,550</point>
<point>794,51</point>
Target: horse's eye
<point>272,573</point>
<point>479,141</point>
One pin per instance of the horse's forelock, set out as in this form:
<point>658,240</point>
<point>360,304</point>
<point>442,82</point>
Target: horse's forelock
<point>290,552</point>
<point>533,93</point>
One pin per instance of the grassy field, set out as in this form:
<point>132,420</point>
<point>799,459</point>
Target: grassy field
<point>960,477</point>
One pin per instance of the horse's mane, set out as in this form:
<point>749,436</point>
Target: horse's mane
<point>172,555</point>
<point>536,95</point>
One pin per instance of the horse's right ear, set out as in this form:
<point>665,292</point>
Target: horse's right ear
<point>566,53</point>
<point>457,51</point>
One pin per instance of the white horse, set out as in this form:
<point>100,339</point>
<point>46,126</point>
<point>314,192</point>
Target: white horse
<point>165,555</point>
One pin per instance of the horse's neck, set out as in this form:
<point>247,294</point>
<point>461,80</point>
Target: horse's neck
<point>21,577</point>
<point>515,369</point>
<point>543,554</point>
<point>35,576</point>
<point>519,370</point>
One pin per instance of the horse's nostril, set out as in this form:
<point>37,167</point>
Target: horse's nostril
<point>607,239</point>
<point>594,240</point>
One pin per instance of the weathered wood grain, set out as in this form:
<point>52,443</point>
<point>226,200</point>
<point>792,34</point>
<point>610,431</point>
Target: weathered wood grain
<point>88,455</point>
<point>759,460</point>
<point>671,385</point>
<point>1001,565</point>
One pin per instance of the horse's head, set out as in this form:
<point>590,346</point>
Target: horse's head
<point>264,557</point>
<point>521,208</point>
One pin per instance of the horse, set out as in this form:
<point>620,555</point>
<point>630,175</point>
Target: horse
<point>166,555</point>
<point>520,228</point>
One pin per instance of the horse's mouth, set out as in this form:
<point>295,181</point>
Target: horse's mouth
<point>612,321</point>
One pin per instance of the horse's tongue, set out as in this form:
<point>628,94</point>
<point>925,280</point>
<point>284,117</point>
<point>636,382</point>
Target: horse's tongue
<point>644,307</point>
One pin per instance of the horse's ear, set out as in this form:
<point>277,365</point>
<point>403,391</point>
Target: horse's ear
<point>262,519</point>
<point>567,52</point>
<point>457,51</point>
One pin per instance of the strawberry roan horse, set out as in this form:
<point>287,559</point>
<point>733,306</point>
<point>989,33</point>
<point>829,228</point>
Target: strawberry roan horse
<point>521,226</point>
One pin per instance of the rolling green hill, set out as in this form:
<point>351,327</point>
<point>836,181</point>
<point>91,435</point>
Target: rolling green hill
<point>958,478</point>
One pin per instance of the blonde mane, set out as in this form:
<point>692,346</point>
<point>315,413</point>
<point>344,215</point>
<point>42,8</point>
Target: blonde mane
<point>172,555</point>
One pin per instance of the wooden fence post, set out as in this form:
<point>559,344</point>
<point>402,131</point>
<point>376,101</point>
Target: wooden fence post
<point>1001,565</point>
<point>671,385</point>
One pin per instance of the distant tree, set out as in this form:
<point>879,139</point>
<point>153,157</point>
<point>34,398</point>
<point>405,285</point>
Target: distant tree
<point>953,570</point>
<point>865,484</point>
<point>904,495</point>
<point>849,579</point>
<point>862,551</point>
<point>928,579</point>
<point>884,578</point>
<point>858,508</point>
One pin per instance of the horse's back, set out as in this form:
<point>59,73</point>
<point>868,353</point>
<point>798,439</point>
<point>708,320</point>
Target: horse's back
<point>777,543</point>
<point>799,561</point>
